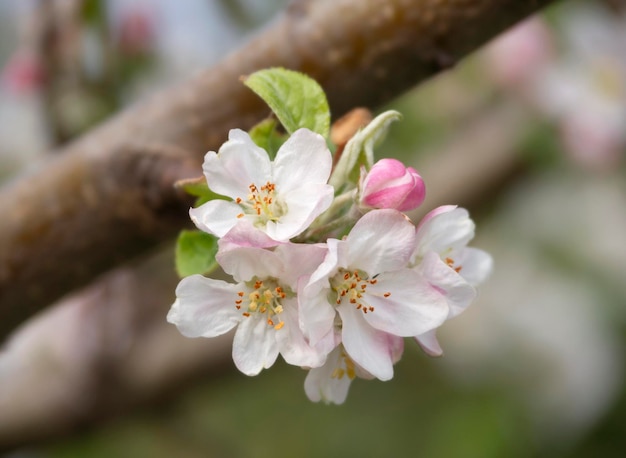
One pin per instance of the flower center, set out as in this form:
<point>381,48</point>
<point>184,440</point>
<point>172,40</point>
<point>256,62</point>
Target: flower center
<point>264,297</point>
<point>345,367</point>
<point>351,286</point>
<point>450,263</point>
<point>262,203</point>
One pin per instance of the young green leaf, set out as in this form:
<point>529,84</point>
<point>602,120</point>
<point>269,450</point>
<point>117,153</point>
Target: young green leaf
<point>265,136</point>
<point>297,100</point>
<point>195,253</point>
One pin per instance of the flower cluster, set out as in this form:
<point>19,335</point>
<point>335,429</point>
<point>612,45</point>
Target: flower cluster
<point>333,278</point>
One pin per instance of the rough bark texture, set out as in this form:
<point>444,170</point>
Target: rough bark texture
<point>108,196</point>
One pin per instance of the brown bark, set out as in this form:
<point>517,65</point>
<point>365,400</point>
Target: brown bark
<point>108,197</point>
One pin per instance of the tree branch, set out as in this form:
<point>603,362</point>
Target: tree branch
<point>86,211</point>
<point>108,348</point>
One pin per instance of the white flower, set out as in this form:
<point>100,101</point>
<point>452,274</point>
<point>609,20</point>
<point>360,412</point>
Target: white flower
<point>365,288</point>
<point>330,382</point>
<point>262,304</point>
<point>441,255</point>
<point>280,198</point>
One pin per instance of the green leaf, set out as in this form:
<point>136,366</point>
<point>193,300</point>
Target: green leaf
<point>265,136</point>
<point>297,100</point>
<point>195,253</point>
<point>199,188</point>
<point>359,150</point>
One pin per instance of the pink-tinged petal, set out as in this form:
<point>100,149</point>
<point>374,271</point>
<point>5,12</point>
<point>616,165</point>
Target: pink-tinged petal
<point>411,307</point>
<point>381,241</point>
<point>476,265</point>
<point>243,263</point>
<point>444,229</point>
<point>396,345</point>
<point>368,347</point>
<point>254,345</point>
<point>298,260</point>
<point>325,383</point>
<point>304,204</point>
<point>335,258</point>
<point>455,289</point>
<point>239,164</point>
<point>291,342</point>
<point>204,307</point>
<point>245,234</point>
<point>429,343</point>
<point>216,217</point>
<point>303,159</point>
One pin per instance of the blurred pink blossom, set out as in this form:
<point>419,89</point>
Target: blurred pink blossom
<point>23,73</point>
<point>582,87</point>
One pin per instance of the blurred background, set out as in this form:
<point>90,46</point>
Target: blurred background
<point>529,134</point>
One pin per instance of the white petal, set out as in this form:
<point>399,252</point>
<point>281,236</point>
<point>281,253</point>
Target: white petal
<point>254,346</point>
<point>368,347</point>
<point>204,307</point>
<point>429,343</point>
<point>216,217</point>
<point>298,260</point>
<point>304,204</point>
<point>243,263</point>
<point>381,241</point>
<point>317,316</point>
<point>476,265</point>
<point>304,158</point>
<point>412,308</point>
<point>320,385</point>
<point>239,164</point>
<point>444,229</point>
<point>291,342</point>
<point>457,291</point>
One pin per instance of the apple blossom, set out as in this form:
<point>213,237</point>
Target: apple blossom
<point>262,305</point>
<point>280,198</point>
<point>364,288</point>
<point>442,257</point>
<point>330,382</point>
<point>389,184</point>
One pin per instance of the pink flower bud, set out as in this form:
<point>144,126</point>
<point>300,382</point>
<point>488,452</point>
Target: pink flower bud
<point>389,184</point>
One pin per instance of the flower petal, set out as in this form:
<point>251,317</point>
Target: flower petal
<point>254,345</point>
<point>412,307</point>
<point>291,342</point>
<point>323,383</point>
<point>444,229</point>
<point>244,233</point>
<point>303,204</point>
<point>204,307</point>
<point>368,347</point>
<point>239,164</point>
<point>457,291</point>
<point>216,217</point>
<point>429,343</point>
<point>317,315</point>
<point>298,260</point>
<point>381,241</point>
<point>477,265</point>
<point>303,159</point>
<point>243,263</point>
